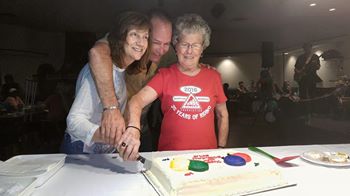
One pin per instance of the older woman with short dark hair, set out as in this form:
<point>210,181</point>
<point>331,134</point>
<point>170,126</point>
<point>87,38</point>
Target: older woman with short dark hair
<point>189,94</point>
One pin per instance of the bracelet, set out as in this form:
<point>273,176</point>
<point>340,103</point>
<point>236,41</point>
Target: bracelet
<point>221,146</point>
<point>130,126</point>
<point>113,107</point>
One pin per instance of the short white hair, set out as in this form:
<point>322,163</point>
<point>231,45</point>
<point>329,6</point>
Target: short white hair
<point>192,23</point>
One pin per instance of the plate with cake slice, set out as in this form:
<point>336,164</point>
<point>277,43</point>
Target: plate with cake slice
<point>325,158</point>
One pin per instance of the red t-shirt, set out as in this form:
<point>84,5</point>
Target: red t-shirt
<point>188,104</point>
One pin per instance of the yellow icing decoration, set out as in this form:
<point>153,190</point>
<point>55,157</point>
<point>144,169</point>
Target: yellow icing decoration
<point>179,164</point>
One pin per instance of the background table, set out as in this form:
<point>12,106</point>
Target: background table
<point>108,175</point>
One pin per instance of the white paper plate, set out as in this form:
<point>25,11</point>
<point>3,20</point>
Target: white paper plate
<point>318,157</point>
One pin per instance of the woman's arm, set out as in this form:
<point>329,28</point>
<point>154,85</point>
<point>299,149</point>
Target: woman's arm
<point>131,136</point>
<point>79,120</point>
<point>222,118</point>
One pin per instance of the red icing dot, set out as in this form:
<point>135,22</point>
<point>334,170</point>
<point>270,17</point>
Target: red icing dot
<point>207,158</point>
<point>188,174</point>
<point>245,156</point>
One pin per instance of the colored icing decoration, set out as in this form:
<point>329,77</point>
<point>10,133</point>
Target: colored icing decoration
<point>179,164</point>
<point>256,164</point>
<point>188,174</point>
<point>198,166</point>
<point>245,156</point>
<point>234,160</point>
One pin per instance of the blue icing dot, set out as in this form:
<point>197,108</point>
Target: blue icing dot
<point>234,160</point>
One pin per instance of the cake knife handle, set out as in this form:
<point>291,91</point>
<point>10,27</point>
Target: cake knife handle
<point>255,149</point>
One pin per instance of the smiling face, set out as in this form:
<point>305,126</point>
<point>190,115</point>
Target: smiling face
<point>135,45</point>
<point>161,38</point>
<point>189,49</point>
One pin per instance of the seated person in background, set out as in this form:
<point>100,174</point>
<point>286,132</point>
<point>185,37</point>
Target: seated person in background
<point>277,89</point>
<point>241,88</point>
<point>56,110</point>
<point>252,86</point>
<point>226,91</point>
<point>244,97</point>
<point>129,41</point>
<point>288,102</point>
<point>9,84</point>
<point>286,89</point>
<point>188,98</point>
<point>13,102</point>
<point>288,92</point>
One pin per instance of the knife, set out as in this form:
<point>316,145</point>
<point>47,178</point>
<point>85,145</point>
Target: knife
<point>146,164</point>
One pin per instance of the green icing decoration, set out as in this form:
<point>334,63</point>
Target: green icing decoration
<point>198,166</point>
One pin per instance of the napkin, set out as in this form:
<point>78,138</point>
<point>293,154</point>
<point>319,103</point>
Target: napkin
<point>30,165</point>
<point>10,186</point>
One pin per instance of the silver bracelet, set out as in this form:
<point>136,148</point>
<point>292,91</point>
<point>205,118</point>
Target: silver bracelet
<point>113,107</point>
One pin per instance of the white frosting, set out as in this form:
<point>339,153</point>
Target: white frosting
<point>220,179</point>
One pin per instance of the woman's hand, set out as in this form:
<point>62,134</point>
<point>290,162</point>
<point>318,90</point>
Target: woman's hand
<point>128,146</point>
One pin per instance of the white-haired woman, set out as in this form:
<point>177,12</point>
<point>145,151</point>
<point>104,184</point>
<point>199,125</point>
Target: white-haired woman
<point>189,94</point>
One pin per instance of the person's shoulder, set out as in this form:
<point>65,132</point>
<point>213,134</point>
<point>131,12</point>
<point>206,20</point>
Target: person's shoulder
<point>84,73</point>
<point>208,69</point>
<point>85,69</point>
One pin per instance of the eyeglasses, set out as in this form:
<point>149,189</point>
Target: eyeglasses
<point>194,47</point>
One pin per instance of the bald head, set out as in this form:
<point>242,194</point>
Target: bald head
<point>161,36</point>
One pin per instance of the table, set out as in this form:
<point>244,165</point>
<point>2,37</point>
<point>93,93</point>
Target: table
<point>107,175</point>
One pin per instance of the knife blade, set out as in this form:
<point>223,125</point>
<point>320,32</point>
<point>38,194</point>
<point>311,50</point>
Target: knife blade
<point>146,164</point>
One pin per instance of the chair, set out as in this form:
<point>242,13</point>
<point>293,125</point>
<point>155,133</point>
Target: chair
<point>30,94</point>
<point>345,104</point>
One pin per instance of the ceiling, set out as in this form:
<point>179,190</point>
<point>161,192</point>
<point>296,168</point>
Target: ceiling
<point>239,26</point>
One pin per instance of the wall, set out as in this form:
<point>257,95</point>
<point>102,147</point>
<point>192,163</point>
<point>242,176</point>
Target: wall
<point>22,49</point>
<point>246,67</point>
<point>242,67</point>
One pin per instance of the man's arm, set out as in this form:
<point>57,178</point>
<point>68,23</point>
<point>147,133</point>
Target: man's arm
<point>112,122</point>
<point>222,118</point>
<point>101,65</point>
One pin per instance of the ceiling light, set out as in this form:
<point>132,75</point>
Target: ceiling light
<point>332,9</point>
<point>312,4</point>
